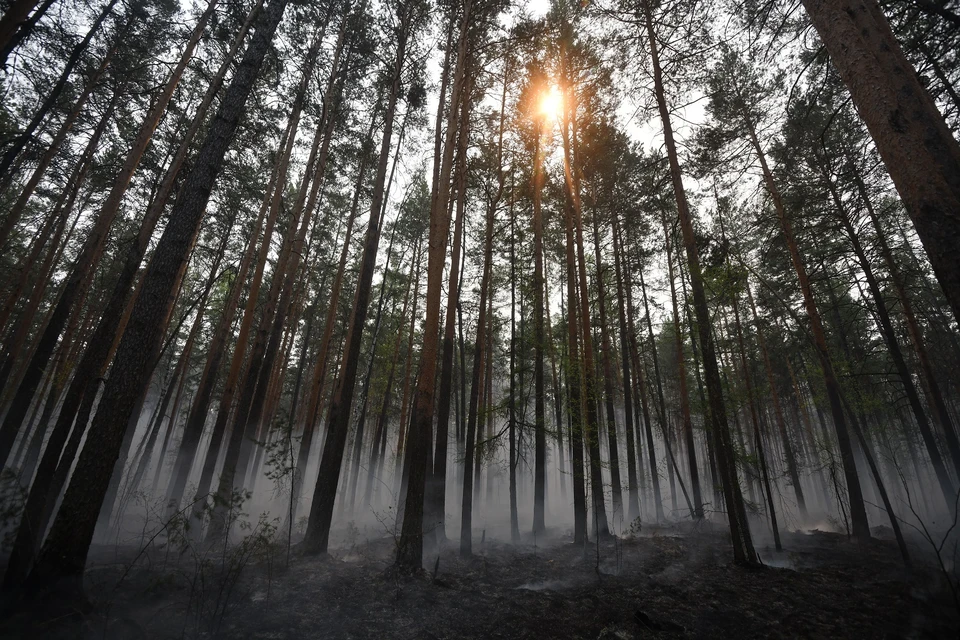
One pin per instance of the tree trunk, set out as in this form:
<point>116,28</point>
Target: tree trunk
<point>574,213</point>
<point>913,139</point>
<point>513,391</point>
<point>654,470</point>
<point>574,369</point>
<point>21,140</point>
<point>321,511</point>
<point>555,377</point>
<point>410,544</point>
<point>399,485</point>
<point>78,281</point>
<point>755,420</point>
<point>858,513</point>
<point>539,341</point>
<point>694,349</point>
<point>743,551</point>
<point>436,487</point>
<point>480,355</point>
<point>633,495</point>
<point>64,553</point>
<point>687,423</point>
<point>606,358</point>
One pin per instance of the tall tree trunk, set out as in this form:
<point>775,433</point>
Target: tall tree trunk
<point>539,342</point>
<point>755,420</point>
<point>513,392</point>
<point>913,139</point>
<point>858,513</point>
<point>63,556</point>
<point>180,371</point>
<point>743,551</point>
<point>687,422</point>
<point>694,349</point>
<point>606,359</point>
<point>574,390</point>
<point>485,445</point>
<point>471,463</point>
<point>113,488</point>
<point>633,495</point>
<point>574,212</point>
<point>651,447</point>
<point>555,378</point>
<point>865,449</point>
<point>321,511</point>
<point>436,487</point>
<point>398,479</point>
<point>410,544</point>
<point>78,281</point>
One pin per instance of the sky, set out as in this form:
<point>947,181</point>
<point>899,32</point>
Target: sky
<point>537,7</point>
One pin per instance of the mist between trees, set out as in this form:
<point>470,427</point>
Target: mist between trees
<point>468,269</point>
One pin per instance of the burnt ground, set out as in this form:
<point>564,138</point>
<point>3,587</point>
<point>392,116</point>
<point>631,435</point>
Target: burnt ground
<point>666,583</point>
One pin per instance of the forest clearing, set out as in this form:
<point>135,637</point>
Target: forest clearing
<point>479,318</point>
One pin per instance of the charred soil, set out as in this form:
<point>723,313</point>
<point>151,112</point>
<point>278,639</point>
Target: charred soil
<point>665,583</point>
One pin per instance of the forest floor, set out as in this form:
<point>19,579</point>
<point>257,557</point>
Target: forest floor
<point>665,583</point>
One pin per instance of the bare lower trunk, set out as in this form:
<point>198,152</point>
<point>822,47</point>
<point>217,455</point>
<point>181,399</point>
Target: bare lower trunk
<point>574,214</point>
<point>321,512</point>
<point>606,359</point>
<point>633,494</point>
<point>654,470</point>
<point>480,355</point>
<point>687,422</point>
<point>743,550</point>
<point>410,549</point>
<point>858,513</point>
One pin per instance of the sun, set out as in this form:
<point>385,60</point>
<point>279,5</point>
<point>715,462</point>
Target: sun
<point>551,102</point>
